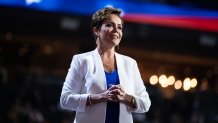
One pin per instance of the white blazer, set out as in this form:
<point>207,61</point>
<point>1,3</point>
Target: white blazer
<point>86,76</point>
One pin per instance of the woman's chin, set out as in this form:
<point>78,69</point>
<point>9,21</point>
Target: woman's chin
<point>116,42</point>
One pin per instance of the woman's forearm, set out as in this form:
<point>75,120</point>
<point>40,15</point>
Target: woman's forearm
<point>96,98</point>
<point>129,100</point>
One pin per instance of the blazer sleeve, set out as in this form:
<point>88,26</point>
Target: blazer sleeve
<point>71,98</point>
<point>141,96</point>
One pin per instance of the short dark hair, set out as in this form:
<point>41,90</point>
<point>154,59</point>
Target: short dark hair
<point>99,16</point>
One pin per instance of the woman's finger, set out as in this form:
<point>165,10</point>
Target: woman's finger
<point>112,87</point>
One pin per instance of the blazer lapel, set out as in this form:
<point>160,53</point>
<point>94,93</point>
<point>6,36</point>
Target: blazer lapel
<point>120,69</point>
<point>99,69</point>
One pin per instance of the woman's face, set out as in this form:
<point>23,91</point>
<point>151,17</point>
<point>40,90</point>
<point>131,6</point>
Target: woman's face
<point>110,33</point>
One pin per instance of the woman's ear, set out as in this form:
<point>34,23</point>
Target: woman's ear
<point>95,30</point>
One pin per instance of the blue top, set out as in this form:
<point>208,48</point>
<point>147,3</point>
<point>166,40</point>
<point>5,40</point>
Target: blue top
<point>113,108</point>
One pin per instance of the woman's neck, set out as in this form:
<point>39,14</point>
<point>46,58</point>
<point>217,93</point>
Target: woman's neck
<point>108,58</point>
<point>106,53</point>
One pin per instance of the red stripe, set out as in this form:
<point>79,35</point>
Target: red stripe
<point>198,23</point>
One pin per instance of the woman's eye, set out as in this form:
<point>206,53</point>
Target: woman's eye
<point>120,27</point>
<point>109,25</point>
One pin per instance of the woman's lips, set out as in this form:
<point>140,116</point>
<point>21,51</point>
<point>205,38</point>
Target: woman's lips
<point>114,36</point>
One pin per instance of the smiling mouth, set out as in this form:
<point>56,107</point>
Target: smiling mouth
<point>114,36</point>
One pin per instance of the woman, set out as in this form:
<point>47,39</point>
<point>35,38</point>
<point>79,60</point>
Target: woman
<point>103,86</point>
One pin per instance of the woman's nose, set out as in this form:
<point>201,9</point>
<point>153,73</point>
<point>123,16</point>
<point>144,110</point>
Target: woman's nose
<point>115,29</point>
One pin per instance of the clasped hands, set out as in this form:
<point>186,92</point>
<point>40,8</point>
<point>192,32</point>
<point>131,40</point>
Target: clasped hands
<point>115,93</point>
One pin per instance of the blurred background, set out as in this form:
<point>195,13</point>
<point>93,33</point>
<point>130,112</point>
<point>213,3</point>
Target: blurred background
<point>175,43</point>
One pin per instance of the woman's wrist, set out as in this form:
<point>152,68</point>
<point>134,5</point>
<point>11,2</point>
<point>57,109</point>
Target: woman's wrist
<point>103,97</point>
<point>89,99</point>
<point>96,98</point>
<point>129,100</point>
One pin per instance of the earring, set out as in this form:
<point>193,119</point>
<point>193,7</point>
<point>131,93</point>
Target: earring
<point>96,35</point>
<point>97,42</point>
